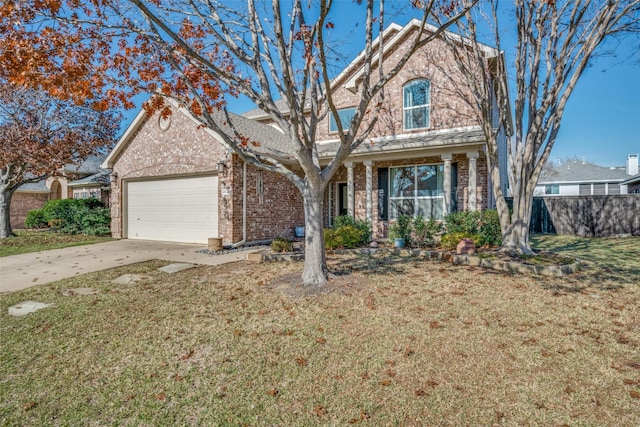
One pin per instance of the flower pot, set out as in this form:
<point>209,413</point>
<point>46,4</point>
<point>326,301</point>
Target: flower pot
<point>398,242</point>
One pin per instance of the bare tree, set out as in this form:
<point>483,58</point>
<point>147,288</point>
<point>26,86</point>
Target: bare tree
<point>197,51</point>
<point>39,134</point>
<point>555,42</point>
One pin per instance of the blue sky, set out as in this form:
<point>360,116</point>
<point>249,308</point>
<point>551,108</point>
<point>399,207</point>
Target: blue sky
<point>601,122</point>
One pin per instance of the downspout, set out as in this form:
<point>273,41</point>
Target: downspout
<point>244,207</point>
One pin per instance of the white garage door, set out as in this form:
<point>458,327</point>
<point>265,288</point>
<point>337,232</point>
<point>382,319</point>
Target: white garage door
<point>173,210</point>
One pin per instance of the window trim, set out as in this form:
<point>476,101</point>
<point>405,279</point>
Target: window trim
<point>391,198</point>
<point>331,120</point>
<point>427,106</point>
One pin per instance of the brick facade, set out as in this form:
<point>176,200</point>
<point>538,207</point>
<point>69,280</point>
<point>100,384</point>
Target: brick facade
<point>22,203</point>
<point>183,149</point>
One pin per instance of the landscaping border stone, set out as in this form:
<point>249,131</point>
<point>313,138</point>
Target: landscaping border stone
<point>468,260</point>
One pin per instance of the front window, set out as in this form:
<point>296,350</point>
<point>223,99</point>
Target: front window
<point>417,190</point>
<point>345,114</point>
<point>552,189</point>
<point>416,104</point>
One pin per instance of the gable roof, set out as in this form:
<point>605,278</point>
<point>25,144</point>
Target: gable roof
<point>269,140</point>
<point>393,35</point>
<point>33,187</point>
<point>576,171</point>
<point>99,178</point>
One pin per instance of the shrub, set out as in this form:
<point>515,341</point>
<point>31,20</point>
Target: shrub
<point>76,216</point>
<point>424,231</point>
<point>401,229</point>
<point>347,233</point>
<point>483,226</point>
<point>35,219</point>
<point>362,225</point>
<point>280,244</point>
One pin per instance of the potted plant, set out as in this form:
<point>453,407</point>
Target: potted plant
<point>400,231</point>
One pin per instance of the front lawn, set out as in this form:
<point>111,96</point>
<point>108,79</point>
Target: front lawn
<point>391,341</point>
<point>41,240</point>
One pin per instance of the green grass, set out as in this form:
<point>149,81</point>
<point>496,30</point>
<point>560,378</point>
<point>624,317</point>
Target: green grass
<point>34,241</point>
<point>391,341</point>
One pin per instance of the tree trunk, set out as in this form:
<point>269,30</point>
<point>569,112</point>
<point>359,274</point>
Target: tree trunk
<point>5,213</point>
<point>315,271</point>
<point>515,237</point>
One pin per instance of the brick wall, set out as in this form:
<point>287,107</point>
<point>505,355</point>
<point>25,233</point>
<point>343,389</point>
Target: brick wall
<point>22,203</point>
<point>183,149</point>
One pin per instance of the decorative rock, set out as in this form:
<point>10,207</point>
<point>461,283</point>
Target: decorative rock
<point>373,244</point>
<point>79,291</point>
<point>466,246</point>
<point>174,268</point>
<point>127,279</point>
<point>26,307</point>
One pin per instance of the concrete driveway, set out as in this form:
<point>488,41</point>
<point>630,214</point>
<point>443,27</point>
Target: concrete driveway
<point>26,270</point>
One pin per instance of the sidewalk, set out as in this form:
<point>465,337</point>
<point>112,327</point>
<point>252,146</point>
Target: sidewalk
<point>23,271</point>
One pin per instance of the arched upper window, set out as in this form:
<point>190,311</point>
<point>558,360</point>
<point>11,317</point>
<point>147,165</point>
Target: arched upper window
<point>416,104</point>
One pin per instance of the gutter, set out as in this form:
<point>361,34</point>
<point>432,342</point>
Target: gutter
<point>244,207</point>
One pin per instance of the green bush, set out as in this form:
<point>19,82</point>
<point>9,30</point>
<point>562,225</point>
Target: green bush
<point>401,229</point>
<point>484,226</point>
<point>362,225</point>
<point>423,232</point>
<point>35,219</point>
<point>280,244</point>
<point>75,216</point>
<point>347,233</point>
<point>344,237</point>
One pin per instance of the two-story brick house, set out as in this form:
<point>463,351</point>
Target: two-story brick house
<point>426,156</point>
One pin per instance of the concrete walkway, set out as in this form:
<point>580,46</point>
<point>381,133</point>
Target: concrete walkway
<point>22,271</point>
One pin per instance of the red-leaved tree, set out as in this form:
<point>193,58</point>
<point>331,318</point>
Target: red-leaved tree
<point>39,134</point>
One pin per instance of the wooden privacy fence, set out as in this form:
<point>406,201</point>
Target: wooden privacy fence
<point>588,216</point>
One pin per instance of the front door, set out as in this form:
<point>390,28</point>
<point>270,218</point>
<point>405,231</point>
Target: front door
<point>342,199</point>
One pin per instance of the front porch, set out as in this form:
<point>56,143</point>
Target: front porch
<point>427,184</point>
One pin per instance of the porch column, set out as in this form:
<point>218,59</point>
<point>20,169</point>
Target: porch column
<point>472,204</point>
<point>350,190</point>
<point>447,183</point>
<point>368,164</point>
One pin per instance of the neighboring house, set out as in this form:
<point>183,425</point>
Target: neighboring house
<point>580,178</point>
<point>80,182</point>
<point>172,180</point>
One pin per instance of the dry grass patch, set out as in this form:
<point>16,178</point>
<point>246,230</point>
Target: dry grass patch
<point>27,241</point>
<point>391,341</point>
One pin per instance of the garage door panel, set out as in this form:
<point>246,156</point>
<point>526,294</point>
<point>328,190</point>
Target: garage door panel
<point>179,210</point>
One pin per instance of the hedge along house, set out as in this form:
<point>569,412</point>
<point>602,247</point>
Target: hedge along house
<point>172,180</point>
<point>427,154</point>
<point>80,182</point>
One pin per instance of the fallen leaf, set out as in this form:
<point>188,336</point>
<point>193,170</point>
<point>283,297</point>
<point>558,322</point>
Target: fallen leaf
<point>434,324</point>
<point>408,352</point>
<point>238,333</point>
<point>364,375</point>
<point>320,411</point>
<point>385,383</point>
<point>634,394</point>
<point>391,373</point>
<point>272,392</point>
<point>28,406</point>
<point>161,396</point>
<point>188,355</point>
<point>421,392</point>
<point>301,361</point>
<point>321,340</point>
<point>629,381</point>
<point>545,353</point>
